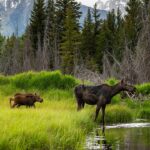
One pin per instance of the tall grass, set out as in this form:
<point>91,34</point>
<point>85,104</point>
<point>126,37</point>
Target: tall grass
<point>144,89</point>
<point>116,114</point>
<point>43,80</point>
<point>54,124</point>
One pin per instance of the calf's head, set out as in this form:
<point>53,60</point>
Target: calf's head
<point>38,98</point>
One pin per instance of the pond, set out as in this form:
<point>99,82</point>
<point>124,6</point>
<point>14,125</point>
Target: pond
<point>134,136</point>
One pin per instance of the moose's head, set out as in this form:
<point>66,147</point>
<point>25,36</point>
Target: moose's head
<point>127,87</point>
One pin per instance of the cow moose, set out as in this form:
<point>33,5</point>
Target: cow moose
<point>27,99</point>
<point>100,95</point>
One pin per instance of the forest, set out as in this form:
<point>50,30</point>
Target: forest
<point>54,40</point>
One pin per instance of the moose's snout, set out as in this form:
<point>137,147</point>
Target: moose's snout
<point>41,101</point>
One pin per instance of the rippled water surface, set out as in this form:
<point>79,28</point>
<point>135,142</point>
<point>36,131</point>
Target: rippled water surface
<point>134,136</point>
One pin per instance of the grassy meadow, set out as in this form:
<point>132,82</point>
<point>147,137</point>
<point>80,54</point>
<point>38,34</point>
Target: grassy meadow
<point>55,124</point>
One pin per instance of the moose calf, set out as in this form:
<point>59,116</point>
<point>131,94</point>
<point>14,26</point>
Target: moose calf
<point>25,99</point>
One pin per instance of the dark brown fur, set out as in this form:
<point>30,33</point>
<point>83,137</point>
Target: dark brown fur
<point>27,99</point>
<point>99,95</point>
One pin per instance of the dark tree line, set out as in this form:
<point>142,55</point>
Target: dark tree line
<point>54,39</point>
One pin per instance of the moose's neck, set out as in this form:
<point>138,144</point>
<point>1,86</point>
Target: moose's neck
<point>116,89</point>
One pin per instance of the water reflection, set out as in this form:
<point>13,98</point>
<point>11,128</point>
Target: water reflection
<point>120,137</point>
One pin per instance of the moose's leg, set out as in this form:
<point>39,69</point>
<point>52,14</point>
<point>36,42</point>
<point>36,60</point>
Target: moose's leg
<point>79,104</point>
<point>97,111</point>
<point>17,105</point>
<point>83,103</point>
<point>103,117</point>
<point>14,104</point>
<point>33,106</point>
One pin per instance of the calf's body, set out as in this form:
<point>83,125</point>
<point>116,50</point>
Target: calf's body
<point>25,99</point>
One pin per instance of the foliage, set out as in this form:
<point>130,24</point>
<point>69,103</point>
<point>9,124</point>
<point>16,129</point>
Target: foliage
<point>37,24</point>
<point>133,22</point>
<point>117,113</point>
<point>43,129</point>
<point>144,113</point>
<point>111,81</point>
<point>70,42</point>
<point>43,80</point>
<point>55,123</point>
<point>144,89</point>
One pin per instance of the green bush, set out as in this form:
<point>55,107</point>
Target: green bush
<point>111,81</point>
<point>144,89</point>
<point>43,80</point>
<point>4,80</point>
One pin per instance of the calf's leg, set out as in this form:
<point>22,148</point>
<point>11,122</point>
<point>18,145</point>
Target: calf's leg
<point>14,104</point>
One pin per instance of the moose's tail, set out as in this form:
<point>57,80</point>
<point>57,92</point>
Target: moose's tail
<point>11,99</point>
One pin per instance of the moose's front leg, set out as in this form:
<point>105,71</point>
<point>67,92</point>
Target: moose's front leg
<point>99,105</point>
<point>103,117</point>
<point>97,111</point>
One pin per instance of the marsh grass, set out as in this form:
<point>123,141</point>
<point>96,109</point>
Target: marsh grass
<point>54,124</point>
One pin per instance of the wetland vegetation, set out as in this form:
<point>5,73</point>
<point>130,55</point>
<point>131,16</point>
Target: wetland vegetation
<point>56,124</point>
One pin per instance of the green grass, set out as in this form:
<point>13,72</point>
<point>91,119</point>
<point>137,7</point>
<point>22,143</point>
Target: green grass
<point>118,113</point>
<point>54,124</point>
<point>144,89</point>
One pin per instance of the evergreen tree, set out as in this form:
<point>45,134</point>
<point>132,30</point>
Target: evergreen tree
<point>87,37</point>
<point>61,10</point>
<point>37,24</point>
<point>119,42</point>
<point>132,23</point>
<point>102,45</point>
<point>96,27</point>
<point>97,20</point>
<point>70,41</point>
<point>49,36</point>
<point>106,39</point>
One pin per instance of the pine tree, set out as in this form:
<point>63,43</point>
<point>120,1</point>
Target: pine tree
<point>37,24</point>
<point>119,42</point>
<point>106,39</point>
<point>87,37</point>
<point>102,45</point>
<point>132,23</point>
<point>70,41</point>
<point>97,20</point>
<point>49,36</point>
<point>61,10</point>
<point>96,27</point>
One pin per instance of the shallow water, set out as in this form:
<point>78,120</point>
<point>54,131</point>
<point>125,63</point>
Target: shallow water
<point>134,136</point>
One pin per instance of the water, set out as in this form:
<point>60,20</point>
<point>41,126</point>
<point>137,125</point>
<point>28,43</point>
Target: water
<point>134,136</point>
